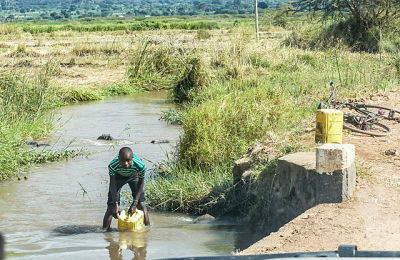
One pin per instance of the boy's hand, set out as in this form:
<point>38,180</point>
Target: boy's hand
<point>132,208</point>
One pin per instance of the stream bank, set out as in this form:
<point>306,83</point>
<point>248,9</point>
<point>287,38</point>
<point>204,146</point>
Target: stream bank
<point>57,212</point>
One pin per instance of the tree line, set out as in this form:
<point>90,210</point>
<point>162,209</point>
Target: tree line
<point>70,9</point>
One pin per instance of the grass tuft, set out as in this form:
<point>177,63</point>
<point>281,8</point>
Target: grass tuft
<point>24,106</point>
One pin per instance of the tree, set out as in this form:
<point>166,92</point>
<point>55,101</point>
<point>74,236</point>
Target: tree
<point>10,17</point>
<point>237,3</point>
<point>262,5</point>
<point>54,15</point>
<point>181,10</point>
<point>65,13</point>
<point>105,12</point>
<point>367,13</point>
<point>216,2</point>
<point>44,16</point>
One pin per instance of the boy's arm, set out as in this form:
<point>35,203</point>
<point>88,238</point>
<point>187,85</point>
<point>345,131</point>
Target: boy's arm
<point>113,191</point>
<point>141,173</point>
<point>132,208</point>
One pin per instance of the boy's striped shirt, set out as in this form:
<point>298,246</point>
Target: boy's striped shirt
<point>137,167</point>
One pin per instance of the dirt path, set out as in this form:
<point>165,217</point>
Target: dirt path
<point>370,219</point>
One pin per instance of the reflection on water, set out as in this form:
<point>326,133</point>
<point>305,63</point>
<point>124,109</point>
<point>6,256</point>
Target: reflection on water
<point>132,241</point>
<point>117,242</point>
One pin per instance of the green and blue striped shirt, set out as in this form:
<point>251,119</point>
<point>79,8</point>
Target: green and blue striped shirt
<point>136,168</point>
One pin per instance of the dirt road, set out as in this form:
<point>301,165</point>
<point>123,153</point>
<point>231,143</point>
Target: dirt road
<point>370,219</point>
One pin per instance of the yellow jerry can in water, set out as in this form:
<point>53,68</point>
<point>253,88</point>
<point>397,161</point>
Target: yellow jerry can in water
<point>131,223</point>
<point>132,240</point>
<point>329,126</point>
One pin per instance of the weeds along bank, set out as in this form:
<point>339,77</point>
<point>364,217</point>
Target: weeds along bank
<point>24,103</point>
<point>253,91</point>
<point>238,91</point>
<point>231,90</point>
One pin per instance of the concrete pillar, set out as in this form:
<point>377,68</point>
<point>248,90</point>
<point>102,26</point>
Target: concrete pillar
<point>337,161</point>
<point>334,157</point>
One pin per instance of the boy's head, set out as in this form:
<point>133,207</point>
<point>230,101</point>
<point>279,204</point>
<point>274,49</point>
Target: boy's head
<point>125,157</point>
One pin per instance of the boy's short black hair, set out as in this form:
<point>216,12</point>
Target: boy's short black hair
<point>125,152</point>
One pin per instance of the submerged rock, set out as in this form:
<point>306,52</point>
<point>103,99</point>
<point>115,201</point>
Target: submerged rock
<point>203,218</point>
<point>30,141</point>
<point>106,137</point>
<point>77,229</point>
<point>40,145</point>
<point>392,152</point>
<point>161,141</point>
<point>33,143</point>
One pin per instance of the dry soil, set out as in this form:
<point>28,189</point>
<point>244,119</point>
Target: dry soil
<point>370,219</point>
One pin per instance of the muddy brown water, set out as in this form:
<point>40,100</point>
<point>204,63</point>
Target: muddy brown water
<point>57,212</point>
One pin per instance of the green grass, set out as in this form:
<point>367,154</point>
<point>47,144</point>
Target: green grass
<point>123,87</point>
<point>188,190</point>
<point>108,26</point>
<point>24,113</point>
<point>157,65</point>
<point>173,116</point>
<point>230,115</point>
<point>72,94</point>
<point>252,91</point>
<point>84,49</point>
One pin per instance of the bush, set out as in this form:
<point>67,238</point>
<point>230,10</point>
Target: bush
<point>190,190</point>
<point>357,37</point>
<point>193,79</point>
<point>156,65</point>
<point>345,33</point>
<point>203,35</point>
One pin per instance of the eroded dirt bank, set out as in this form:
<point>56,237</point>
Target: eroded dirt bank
<point>370,219</point>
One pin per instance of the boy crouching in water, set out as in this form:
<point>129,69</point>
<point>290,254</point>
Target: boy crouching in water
<point>125,168</point>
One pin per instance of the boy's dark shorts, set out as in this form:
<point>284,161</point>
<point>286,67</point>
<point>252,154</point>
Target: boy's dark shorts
<point>132,181</point>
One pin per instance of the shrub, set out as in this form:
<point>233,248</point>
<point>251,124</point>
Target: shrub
<point>203,35</point>
<point>156,65</point>
<point>193,79</point>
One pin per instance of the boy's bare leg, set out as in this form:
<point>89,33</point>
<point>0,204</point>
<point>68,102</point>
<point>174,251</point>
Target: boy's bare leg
<point>107,219</point>
<point>1,247</point>
<point>146,213</point>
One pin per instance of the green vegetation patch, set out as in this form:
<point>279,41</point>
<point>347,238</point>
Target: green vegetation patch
<point>49,27</point>
<point>255,90</point>
<point>183,189</point>
<point>24,105</point>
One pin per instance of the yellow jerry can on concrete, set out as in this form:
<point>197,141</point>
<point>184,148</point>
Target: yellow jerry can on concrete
<point>131,223</point>
<point>329,126</point>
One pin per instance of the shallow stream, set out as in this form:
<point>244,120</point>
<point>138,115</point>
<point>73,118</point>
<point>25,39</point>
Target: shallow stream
<point>57,212</point>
